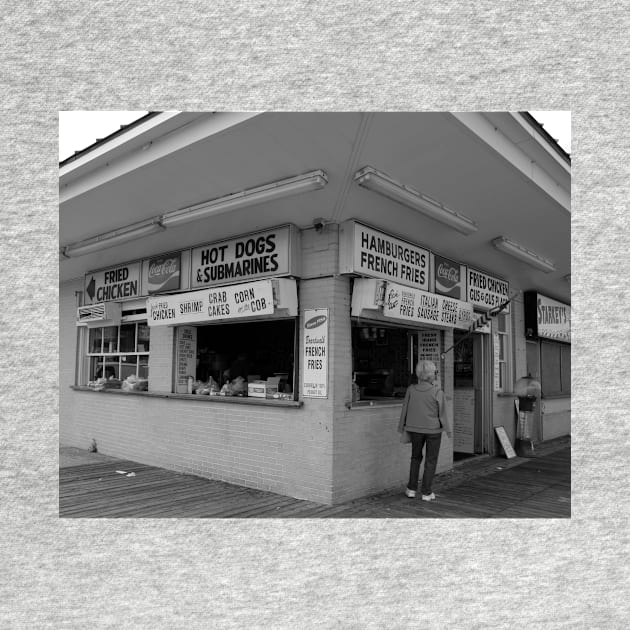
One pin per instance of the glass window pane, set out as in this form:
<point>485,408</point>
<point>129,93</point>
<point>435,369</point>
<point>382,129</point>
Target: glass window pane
<point>502,322</point>
<point>143,338</point>
<point>143,367</point>
<point>112,367</point>
<point>128,338</point>
<point>96,366</point>
<point>96,339</point>
<point>110,339</point>
<point>128,366</point>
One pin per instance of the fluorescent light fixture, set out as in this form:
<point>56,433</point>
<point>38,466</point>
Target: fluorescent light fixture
<point>383,184</point>
<point>522,253</point>
<point>113,238</point>
<point>252,196</point>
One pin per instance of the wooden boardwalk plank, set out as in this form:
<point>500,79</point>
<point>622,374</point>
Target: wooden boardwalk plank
<point>537,488</point>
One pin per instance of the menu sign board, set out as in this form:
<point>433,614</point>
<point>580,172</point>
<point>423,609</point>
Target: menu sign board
<point>256,255</point>
<point>486,292</point>
<point>547,318</point>
<point>426,308</point>
<point>186,361</point>
<point>449,277</point>
<point>315,360</point>
<point>238,300</point>
<point>164,273</point>
<point>369,252</point>
<point>116,283</point>
<point>429,348</point>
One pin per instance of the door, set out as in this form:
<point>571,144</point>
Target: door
<point>471,394</point>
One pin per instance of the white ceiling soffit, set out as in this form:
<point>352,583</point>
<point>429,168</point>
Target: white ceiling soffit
<point>158,137</point>
<point>519,144</point>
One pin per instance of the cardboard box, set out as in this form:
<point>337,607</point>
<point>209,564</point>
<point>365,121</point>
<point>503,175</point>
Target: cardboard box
<point>272,386</point>
<point>257,389</point>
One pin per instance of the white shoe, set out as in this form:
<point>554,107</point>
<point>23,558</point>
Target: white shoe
<point>428,497</point>
<point>410,493</point>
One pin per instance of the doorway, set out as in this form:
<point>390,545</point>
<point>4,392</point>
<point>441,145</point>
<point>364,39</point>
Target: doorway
<point>471,397</point>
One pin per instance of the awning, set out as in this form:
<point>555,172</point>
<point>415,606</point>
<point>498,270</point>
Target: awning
<point>262,298</point>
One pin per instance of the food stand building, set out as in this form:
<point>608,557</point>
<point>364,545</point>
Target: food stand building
<point>244,296</point>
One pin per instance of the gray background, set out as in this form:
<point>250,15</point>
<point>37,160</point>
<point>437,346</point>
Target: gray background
<point>63,573</point>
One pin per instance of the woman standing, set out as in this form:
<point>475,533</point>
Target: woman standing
<point>424,417</point>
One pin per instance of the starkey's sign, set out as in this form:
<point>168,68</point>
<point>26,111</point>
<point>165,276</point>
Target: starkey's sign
<point>547,318</point>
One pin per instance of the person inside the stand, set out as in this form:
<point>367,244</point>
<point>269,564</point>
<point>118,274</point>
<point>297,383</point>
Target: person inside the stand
<point>110,372</point>
<point>424,417</point>
<point>239,367</point>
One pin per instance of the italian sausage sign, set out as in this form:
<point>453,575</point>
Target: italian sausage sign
<point>315,371</point>
<point>220,303</point>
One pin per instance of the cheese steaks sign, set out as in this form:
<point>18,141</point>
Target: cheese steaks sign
<point>257,255</point>
<point>221,303</point>
<point>425,308</point>
<point>115,283</point>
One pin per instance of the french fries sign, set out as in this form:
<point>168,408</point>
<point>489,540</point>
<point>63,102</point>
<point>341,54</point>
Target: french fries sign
<point>315,359</point>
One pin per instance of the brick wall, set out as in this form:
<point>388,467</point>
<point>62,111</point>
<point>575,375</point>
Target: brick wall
<point>322,451</point>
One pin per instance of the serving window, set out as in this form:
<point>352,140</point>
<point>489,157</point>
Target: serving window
<point>118,353</point>
<point>382,359</point>
<point>246,359</point>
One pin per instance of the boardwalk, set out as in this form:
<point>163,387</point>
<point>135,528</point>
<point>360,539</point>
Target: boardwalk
<point>488,488</point>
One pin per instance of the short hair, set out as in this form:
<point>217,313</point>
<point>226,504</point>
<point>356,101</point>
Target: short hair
<point>425,370</point>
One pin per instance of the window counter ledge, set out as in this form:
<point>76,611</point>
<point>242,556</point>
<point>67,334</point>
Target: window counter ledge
<point>374,404</point>
<point>239,400</point>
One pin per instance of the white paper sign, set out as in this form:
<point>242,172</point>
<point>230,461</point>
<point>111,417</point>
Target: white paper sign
<point>464,420</point>
<point>315,359</point>
<point>186,361</point>
<point>497,365</point>
<point>429,348</point>
<point>237,300</point>
<point>426,308</point>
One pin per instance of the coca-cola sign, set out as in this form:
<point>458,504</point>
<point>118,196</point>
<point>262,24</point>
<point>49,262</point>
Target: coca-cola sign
<point>164,273</point>
<point>448,278</point>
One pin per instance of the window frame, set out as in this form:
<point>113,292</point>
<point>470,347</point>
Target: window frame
<point>91,358</point>
<point>504,332</point>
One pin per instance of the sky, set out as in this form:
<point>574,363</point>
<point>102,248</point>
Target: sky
<point>80,129</point>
